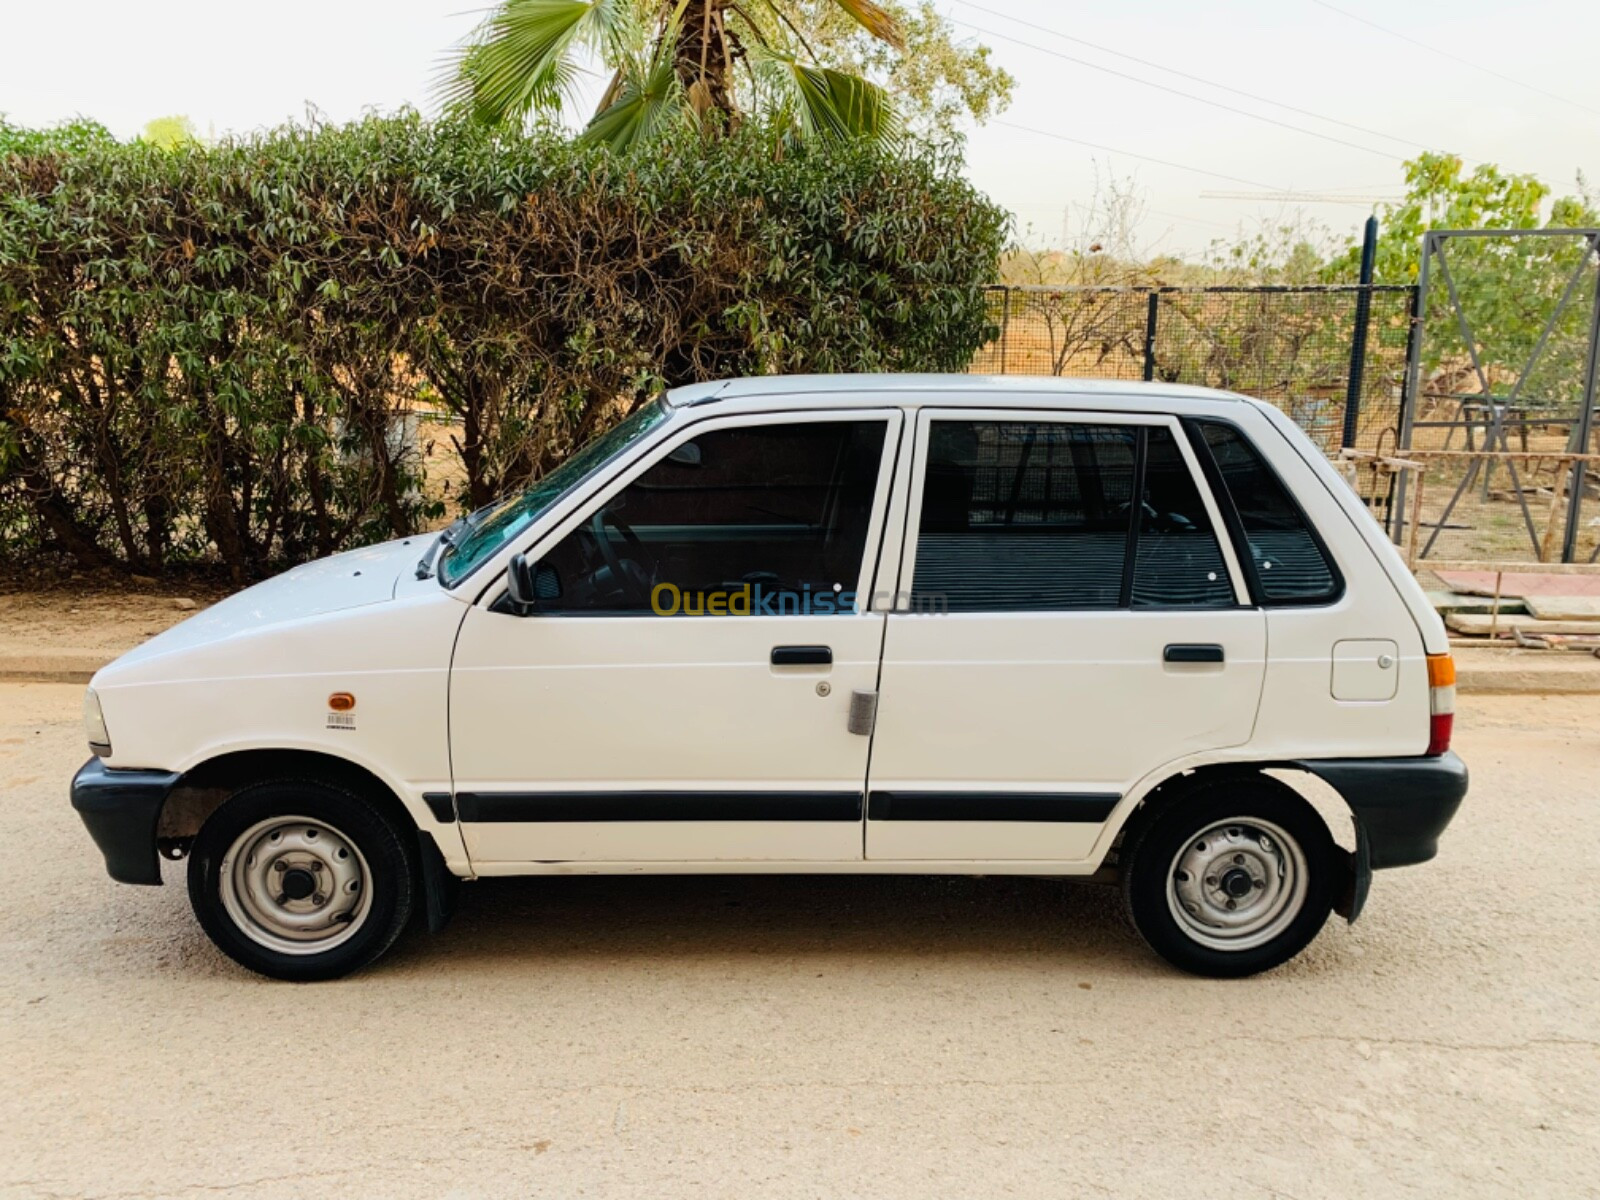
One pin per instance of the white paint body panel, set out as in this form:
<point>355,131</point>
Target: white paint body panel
<point>354,579</point>
<point>454,697</point>
<point>1297,704</point>
<point>243,676</point>
<point>658,703</point>
<point>1048,702</point>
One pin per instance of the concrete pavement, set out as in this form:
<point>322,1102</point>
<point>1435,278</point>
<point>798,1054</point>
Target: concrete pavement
<point>814,1037</point>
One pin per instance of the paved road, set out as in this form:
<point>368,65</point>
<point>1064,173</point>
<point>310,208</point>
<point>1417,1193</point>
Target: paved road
<point>819,1037</point>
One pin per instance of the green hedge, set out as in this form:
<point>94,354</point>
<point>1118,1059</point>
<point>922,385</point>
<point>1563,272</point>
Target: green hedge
<point>218,354</point>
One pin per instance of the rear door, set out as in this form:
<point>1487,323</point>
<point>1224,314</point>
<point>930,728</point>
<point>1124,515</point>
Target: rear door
<point>1070,617</point>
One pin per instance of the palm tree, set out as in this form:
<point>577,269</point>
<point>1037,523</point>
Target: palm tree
<point>700,61</point>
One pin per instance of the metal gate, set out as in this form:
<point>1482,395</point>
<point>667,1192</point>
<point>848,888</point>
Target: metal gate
<point>1503,356</point>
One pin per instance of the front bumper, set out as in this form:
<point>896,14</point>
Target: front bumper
<point>122,810</point>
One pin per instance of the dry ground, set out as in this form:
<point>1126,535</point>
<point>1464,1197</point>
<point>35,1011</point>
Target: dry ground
<point>819,1037</point>
<point>91,619</point>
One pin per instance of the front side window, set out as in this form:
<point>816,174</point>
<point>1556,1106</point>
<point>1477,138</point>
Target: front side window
<point>1287,561</point>
<point>759,520</point>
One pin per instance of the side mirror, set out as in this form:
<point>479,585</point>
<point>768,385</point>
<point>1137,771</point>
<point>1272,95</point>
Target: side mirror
<point>528,584</point>
<point>519,583</point>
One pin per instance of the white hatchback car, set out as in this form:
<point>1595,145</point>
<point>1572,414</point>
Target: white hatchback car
<point>835,624</point>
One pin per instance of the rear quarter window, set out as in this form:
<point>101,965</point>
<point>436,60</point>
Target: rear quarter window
<point>1285,559</point>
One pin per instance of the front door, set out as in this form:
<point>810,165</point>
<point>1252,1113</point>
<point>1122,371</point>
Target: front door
<point>682,691</point>
<point>1074,621</point>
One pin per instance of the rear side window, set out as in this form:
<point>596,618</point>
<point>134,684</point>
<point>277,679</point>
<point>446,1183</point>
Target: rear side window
<point>1178,563</point>
<point>1287,561</point>
<point>1020,516</point>
<point>1025,516</point>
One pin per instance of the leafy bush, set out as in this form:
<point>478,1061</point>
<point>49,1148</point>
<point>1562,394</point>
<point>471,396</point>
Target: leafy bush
<point>223,353</point>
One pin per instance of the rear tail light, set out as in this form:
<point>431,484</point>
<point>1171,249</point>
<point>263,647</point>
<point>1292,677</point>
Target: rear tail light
<point>1441,702</point>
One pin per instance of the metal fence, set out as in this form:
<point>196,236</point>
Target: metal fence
<point>1485,374</point>
<point>1333,358</point>
<point>1503,365</point>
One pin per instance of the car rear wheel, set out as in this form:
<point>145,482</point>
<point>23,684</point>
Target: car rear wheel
<point>1231,878</point>
<point>300,880</point>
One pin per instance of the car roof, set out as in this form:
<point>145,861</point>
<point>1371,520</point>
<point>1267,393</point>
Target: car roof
<point>976,391</point>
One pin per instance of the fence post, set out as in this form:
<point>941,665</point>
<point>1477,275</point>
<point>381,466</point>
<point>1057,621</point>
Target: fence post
<point>1402,436</point>
<point>1413,383</point>
<point>1150,318</point>
<point>1591,377</point>
<point>1358,340</point>
<point>1005,324</point>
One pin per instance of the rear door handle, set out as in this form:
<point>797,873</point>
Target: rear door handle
<point>1188,652</point>
<point>801,656</point>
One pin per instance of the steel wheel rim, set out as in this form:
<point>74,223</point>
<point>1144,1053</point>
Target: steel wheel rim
<point>1237,884</point>
<point>296,885</point>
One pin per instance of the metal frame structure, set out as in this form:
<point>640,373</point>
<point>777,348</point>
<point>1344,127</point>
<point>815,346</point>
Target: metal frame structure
<point>1154,294</point>
<point>1497,445</point>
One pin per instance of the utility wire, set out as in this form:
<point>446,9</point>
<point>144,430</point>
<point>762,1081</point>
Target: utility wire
<point>1172,216</point>
<point>1058,205</point>
<point>1411,143</point>
<point>1466,62</point>
<point>1243,112</point>
<point>1160,162</point>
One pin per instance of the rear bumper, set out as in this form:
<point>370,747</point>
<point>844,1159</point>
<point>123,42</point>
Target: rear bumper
<point>121,810</point>
<point>1401,805</point>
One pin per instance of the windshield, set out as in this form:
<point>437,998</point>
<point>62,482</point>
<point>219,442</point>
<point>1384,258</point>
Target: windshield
<point>492,527</point>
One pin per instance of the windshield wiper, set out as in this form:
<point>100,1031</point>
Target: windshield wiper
<point>447,537</point>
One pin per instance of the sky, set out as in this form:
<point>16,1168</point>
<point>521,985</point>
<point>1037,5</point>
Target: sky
<point>1513,86</point>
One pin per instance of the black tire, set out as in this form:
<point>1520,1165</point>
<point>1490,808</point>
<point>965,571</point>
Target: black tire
<point>1152,856</point>
<point>388,881</point>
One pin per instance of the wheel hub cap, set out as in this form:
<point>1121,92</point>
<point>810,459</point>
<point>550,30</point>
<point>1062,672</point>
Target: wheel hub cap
<point>1237,884</point>
<point>295,885</point>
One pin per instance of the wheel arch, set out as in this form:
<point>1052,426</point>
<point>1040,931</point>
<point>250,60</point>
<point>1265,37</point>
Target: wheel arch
<point>1342,821</point>
<point>201,790</point>
<point>203,787</point>
<point>1169,784</point>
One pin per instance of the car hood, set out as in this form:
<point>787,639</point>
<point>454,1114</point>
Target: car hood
<point>349,580</point>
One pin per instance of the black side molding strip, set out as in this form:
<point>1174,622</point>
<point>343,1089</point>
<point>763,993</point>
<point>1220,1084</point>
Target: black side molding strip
<point>443,806</point>
<point>1090,807</point>
<point>659,806</point>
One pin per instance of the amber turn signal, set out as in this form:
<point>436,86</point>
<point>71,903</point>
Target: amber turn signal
<point>341,702</point>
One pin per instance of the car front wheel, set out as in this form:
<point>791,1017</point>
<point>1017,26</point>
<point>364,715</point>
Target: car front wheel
<point>1231,878</point>
<point>300,880</point>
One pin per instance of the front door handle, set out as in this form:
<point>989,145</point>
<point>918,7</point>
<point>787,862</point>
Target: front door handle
<point>1190,652</point>
<point>801,656</point>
